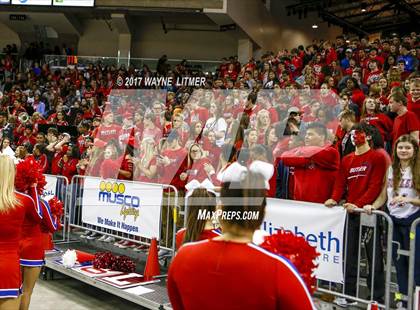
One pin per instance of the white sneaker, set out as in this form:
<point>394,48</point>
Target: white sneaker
<point>109,239</point>
<point>92,236</point>
<point>344,303</point>
<point>127,244</point>
<point>400,306</point>
<point>119,243</point>
<point>102,238</point>
<point>141,248</point>
<point>163,253</point>
<point>86,234</point>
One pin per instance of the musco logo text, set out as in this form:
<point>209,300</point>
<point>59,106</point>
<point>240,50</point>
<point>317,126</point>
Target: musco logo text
<point>113,192</point>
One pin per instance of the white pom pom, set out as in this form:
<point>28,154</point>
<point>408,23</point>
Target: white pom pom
<point>69,258</point>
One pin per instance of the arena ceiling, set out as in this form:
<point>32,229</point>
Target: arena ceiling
<point>363,17</point>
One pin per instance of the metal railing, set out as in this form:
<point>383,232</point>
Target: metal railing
<point>412,263</point>
<point>369,229</point>
<point>83,61</point>
<point>61,184</point>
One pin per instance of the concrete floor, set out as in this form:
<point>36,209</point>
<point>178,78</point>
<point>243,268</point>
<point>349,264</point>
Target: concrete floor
<point>70,294</point>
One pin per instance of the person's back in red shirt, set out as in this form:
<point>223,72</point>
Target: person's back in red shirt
<point>243,276</point>
<point>205,234</point>
<point>413,106</point>
<point>405,124</point>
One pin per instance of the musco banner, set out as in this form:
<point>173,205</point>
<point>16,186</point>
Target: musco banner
<point>322,227</point>
<point>129,207</point>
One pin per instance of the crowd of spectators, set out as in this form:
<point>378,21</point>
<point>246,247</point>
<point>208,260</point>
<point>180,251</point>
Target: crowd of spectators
<point>275,102</point>
<point>295,116</point>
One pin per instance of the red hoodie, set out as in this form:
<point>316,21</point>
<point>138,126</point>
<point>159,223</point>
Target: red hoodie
<point>313,165</point>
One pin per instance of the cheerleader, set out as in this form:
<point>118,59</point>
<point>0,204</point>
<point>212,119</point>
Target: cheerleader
<point>226,265</point>
<point>198,229</point>
<point>32,246</point>
<point>14,207</point>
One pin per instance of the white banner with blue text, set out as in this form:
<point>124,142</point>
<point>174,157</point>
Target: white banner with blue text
<point>129,207</point>
<point>322,227</point>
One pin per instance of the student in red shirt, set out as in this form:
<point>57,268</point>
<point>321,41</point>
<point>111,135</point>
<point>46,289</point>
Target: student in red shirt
<point>28,136</point>
<point>40,157</point>
<point>315,163</point>
<point>227,264</point>
<point>198,166</point>
<point>413,103</point>
<point>406,123</point>
<point>145,167</point>
<point>371,115</point>
<point>107,130</point>
<point>170,162</point>
<point>359,183</point>
<point>68,163</point>
<point>200,200</point>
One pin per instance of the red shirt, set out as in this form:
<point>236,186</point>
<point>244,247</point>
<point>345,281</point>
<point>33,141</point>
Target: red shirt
<point>313,165</point>
<point>24,139</point>
<point>244,276</point>
<point>43,162</point>
<point>126,165</point>
<point>382,122</point>
<point>170,174</point>
<point>196,171</point>
<point>404,124</point>
<point>143,178</point>
<point>69,169</point>
<point>106,133</point>
<point>362,176</point>
<point>205,234</point>
<point>414,106</point>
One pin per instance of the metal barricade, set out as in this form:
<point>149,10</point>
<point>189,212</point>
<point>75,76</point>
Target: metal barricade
<point>412,263</point>
<point>366,227</point>
<point>168,214</point>
<point>60,192</point>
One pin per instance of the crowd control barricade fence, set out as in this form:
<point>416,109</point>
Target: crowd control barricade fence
<point>367,260</point>
<point>57,185</point>
<point>412,264</point>
<point>129,201</point>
